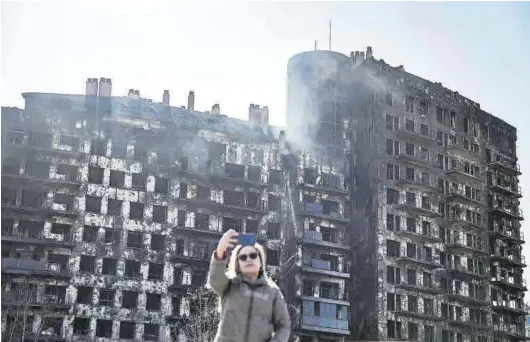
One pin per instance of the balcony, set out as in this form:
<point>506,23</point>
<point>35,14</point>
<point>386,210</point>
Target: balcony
<point>33,268</point>
<point>504,211</point>
<point>197,231</point>
<point>514,235</point>
<point>324,267</point>
<point>461,220</point>
<point>508,306</point>
<point>411,130</point>
<point>430,289</point>
<point>317,210</point>
<point>509,282</point>
<point>464,151</point>
<point>221,174</point>
<point>415,313</point>
<point>426,209</point>
<point>323,187</point>
<point>330,241</point>
<point>463,270</point>
<point>416,183</point>
<point>466,297</point>
<point>462,174</point>
<point>505,189</point>
<point>506,166</point>
<point>469,324</point>
<point>461,196</point>
<point>197,258</point>
<point>324,324</point>
<point>415,159</point>
<point>52,241</point>
<point>26,181</point>
<point>52,301</point>
<point>458,245</point>
<point>517,332</point>
<point>508,259</point>
<point>420,258</point>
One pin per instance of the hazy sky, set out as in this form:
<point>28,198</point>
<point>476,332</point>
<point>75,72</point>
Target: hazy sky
<point>236,53</point>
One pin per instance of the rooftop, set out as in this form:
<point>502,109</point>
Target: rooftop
<point>122,106</point>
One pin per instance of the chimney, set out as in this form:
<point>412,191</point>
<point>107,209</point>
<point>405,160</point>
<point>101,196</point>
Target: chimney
<point>105,87</point>
<point>165,97</point>
<point>191,100</point>
<point>254,114</point>
<point>137,93</point>
<point>216,109</point>
<point>131,93</point>
<point>91,87</point>
<point>361,57</point>
<point>264,117</point>
<point>356,58</point>
<point>282,143</point>
<point>369,53</point>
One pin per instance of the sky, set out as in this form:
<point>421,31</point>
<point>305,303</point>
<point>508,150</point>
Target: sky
<point>236,53</point>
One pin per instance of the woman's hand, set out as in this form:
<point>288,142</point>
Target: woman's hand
<point>228,240</point>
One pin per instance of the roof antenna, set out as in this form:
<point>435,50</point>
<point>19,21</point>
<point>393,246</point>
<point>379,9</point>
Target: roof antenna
<point>330,34</point>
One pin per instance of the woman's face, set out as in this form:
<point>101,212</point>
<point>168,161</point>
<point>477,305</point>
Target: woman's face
<point>249,261</point>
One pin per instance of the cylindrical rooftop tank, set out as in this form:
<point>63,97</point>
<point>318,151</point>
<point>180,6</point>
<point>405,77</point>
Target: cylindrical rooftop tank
<point>316,83</point>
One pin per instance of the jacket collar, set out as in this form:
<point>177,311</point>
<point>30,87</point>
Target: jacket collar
<point>259,282</point>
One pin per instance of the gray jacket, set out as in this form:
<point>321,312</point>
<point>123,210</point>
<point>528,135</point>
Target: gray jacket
<point>250,312</point>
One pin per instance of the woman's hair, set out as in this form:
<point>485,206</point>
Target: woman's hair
<point>233,270</point>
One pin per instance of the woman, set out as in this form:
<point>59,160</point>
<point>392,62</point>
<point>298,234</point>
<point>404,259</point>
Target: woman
<point>252,306</point>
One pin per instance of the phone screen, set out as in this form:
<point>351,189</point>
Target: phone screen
<point>247,239</point>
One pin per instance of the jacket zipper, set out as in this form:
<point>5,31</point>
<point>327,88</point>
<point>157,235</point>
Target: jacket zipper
<point>247,328</point>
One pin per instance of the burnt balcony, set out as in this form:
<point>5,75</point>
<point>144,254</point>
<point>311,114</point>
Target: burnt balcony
<point>197,230</point>
<point>41,143</point>
<point>415,313</point>
<point>322,212</point>
<point>29,181</point>
<point>34,268</point>
<point>418,257</point>
<point>195,257</point>
<point>46,300</point>
<point>425,209</point>
<point>507,259</point>
<point>462,269</point>
<point>415,158</point>
<point>423,236</point>
<point>330,239</point>
<point>509,282</point>
<point>461,220</point>
<point>509,306</point>
<point>501,210</point>
<point>415,131</point>
<point>502,232</point>
<point>324,267</point>
<point>460,195</point>
<point>469,324</point>
<point>506,166</point>
<point>463,173</point>
<point>467,297</point>
<point>504,188</point>
<point>65,241</point>
<point>463,150</point>
<point>324,182</point>
<point>459,245</point>
<point>416,183</point>
<point>428,288</point>
<point>237,201</point>
<point>235,174</point>
<point>513,331</point>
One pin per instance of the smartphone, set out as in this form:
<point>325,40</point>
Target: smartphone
<point>247,239</point>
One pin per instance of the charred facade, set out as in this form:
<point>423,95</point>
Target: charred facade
<point>388,208</point>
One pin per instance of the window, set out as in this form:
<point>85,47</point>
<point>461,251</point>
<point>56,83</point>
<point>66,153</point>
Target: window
<point>106,297</point>
<point>392,147</point>
<point>392,196</point>
<point>393,275</point>
<point>392,248</point>
<point>392,172</point>
<point>127,330</point>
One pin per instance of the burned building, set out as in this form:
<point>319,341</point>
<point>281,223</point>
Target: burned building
<point>433,198</point>
<point>112,207</point>
<point>388,207</point>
